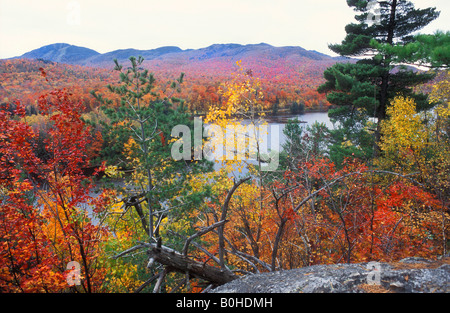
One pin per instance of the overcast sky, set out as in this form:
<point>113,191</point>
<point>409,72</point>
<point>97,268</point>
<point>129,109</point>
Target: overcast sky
<point>106,25</point>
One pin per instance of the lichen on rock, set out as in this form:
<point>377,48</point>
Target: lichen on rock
<point>411,275</point>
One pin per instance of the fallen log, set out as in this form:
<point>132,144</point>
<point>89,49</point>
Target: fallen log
<point>178,262</point>
<point>175,261</point>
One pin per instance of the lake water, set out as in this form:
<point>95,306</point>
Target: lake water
<point>306,119</point>
<point>272,138</point>
<point>275,129</point>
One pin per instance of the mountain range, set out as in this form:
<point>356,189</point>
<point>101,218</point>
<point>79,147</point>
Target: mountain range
<point>71,54</point>
<point>286,74</point>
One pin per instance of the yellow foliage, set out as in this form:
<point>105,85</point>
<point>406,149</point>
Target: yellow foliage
<point>241,94</point>
<point>113,172</point>
<point>404,135</point>
<point>441,91</point>
<point>419,143</point>
<point>404,128</point>
<point>122,275</point>
<point>242,100</point>
<point>122,279</point>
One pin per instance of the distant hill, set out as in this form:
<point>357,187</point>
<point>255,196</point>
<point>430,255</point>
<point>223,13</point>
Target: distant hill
<point>70,54</point>
<point>125,54</point>
<point>61,53</point>
<point>287,75</point>
<point>262,50</point>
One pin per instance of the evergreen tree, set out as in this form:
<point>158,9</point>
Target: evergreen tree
<point>303,143</point>
<point>370,83</point>
<point>297,108</point>
<point>144,122</point>
<point>426,50</point>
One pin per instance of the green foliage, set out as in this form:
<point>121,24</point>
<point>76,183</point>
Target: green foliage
<point>297,108</point>
<point>429,50</point>
<point>364,89</point>
<point>275,108</point>
<point>407,19</point>
<point>303,143</point>
<point>352,135</point>
<point>139,136</point>
<point>351,84</point>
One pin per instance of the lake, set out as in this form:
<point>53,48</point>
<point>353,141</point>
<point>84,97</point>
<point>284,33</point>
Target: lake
<point>275,129</point>
<point>274,138</point>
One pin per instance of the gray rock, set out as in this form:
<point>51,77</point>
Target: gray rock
<point>411,275</point>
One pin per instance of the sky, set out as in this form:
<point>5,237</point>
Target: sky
<point>107,25</point>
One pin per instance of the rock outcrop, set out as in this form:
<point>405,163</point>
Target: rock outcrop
<point>411,275</point>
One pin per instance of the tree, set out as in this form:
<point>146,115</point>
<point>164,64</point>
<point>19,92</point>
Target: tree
<point>241,100</point>
<point>156,197</point>
<point>303,143</point>
<point>370,83</point>
<point>425,50</point>
<point>352,135</point>
<point>297,108</point>
<point>144,122</point>
<point>27,262</point>
<point>46,199</point>
<point>418,145</point>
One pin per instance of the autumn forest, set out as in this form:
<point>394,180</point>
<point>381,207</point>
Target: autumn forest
<point>92,199</point>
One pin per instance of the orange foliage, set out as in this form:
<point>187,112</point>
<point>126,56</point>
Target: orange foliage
<point>322,215</point>
<point>38,241</point>
<point>282,82</point>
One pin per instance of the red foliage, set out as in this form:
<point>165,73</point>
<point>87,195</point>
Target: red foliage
<point>39,241</point>
<point>282,82</point>
<point>360,215</point>
<point>319,214</point>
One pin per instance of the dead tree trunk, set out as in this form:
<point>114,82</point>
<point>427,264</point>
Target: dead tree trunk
<point>224,217</point>
<point>177,262</point>
<point>174,261</point>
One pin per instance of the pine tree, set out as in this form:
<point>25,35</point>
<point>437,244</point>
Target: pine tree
<point>371,82</point>
<point>431,51</point>
<point>142,126</point>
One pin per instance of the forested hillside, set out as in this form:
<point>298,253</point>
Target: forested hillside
<point>290,74</point>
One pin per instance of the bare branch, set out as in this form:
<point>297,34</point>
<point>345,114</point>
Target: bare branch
<point>328,185</point>
<point>246,257</point>
<point>163,274</point>
<point>224,216</point>
<point>128,251</point>
<point>201,233</point>
<point>146,283</point>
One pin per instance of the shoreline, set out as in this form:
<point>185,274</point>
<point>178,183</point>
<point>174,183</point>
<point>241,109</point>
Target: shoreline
<point>280,114</point>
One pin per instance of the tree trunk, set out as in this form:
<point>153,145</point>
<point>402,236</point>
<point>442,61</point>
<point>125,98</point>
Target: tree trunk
<point>179,263</point>
<point>381,110</point>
